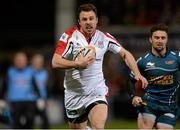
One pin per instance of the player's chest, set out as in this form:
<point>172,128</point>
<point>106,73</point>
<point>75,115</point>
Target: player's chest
<point>21,79</point>
<point>160,66</point>
<point>99,44</point>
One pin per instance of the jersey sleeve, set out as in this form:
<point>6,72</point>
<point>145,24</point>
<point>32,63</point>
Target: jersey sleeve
<point>64,45</point>
<point>113,44</point>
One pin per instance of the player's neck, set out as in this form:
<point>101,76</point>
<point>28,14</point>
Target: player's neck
<point>159,53</point>
<point>87,35</point>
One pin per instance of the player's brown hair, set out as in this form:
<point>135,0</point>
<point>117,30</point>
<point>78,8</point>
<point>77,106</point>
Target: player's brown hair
<point>160,27</point>
<point>86,7</point>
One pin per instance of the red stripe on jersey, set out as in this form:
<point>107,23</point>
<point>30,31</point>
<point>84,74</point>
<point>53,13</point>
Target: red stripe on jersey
<point>111,37</point>
<point>61,46</point>
<point>70,31</point>
<point>88,39</point>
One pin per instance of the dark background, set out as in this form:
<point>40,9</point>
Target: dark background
<point>26,23</point>
<point>30,23</point>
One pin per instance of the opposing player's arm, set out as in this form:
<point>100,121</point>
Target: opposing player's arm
<point>133,92</point>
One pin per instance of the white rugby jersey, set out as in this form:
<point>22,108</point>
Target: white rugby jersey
<point>85,81</point>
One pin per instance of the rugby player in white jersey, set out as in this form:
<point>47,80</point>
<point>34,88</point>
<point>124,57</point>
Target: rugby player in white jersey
<point>85,89</point>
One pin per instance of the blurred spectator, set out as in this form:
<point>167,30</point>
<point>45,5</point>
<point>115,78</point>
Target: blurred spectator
<point>103,21</point>
<point>41,78</point>
<point>166,15</point>
<point>130,11</point>
<point>116,11</point>
<point>136,12</point>
<point>176,18</point>
<point>21,92</point>
<point>141,18</point>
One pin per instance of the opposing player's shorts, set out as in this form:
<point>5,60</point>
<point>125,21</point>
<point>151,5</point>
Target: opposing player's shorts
<point>160,113</point>
<point>78,106</point>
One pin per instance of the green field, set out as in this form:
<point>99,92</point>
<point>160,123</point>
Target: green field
<point>116,124</point>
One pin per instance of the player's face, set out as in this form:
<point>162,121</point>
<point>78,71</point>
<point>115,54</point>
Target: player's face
<point>37,62</point>
<point>20,60</point>
<point>159,40</point>
<point>88,22</point>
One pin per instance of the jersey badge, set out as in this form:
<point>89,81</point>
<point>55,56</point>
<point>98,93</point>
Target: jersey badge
<point>64,37</point>
<point>150,65</point>
<point>100,44</point>
<point>169,62</point>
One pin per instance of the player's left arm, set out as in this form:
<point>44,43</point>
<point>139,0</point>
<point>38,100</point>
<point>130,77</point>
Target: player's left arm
<point>115,47</point>
<point>131,63</point>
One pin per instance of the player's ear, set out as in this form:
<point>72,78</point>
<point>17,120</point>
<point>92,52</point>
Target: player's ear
<point>78,21</point>
<point>150,39</point>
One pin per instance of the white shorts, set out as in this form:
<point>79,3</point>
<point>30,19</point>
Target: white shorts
<point>76,105</point>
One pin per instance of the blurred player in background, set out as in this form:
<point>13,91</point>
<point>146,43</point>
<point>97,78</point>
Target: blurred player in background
<point>22,92</point>
<point>41,78</point>
<point>85,89</point>
<point>160,66</point>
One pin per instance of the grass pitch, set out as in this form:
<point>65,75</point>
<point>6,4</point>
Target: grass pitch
<point>115,124</point>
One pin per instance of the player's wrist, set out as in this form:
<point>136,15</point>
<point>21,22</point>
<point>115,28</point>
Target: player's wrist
<point>137,74</point>
<point>75,64</point>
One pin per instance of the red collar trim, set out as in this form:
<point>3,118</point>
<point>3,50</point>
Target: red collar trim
<point>88,39</point>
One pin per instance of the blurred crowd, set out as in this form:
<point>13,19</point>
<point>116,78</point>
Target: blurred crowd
<point>24,91</point>
<point>138,12</point>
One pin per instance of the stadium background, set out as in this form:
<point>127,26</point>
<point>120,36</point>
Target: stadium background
<point>35,26</point>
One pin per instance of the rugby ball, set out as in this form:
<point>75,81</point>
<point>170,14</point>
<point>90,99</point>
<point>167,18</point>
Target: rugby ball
<point>86,51</point>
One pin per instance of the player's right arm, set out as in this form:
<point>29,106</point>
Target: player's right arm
<point>59,62</point>
<point>64,48</point>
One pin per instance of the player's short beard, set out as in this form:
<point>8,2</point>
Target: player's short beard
<point>158,50</point>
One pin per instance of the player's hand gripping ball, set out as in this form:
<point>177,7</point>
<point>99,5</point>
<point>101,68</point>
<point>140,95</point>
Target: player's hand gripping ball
<point>86,51</point>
